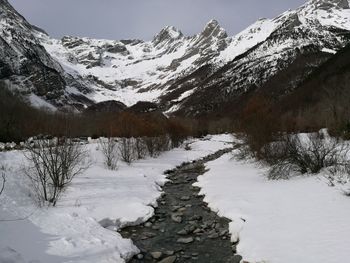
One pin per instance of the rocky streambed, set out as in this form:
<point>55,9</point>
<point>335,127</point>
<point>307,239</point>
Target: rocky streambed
<point>183,228</point>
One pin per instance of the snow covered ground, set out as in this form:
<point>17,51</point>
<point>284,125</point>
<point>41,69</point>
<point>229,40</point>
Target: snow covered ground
<point>72,231</point>
<point>297,220</point>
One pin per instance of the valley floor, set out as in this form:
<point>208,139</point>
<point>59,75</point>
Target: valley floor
<point>72,232</point>
<point>299,220</point>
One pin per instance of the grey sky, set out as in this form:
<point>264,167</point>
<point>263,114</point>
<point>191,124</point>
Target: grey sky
<point>122,19</point>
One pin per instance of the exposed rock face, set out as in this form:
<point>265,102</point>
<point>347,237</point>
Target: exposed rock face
<point>167,37</point>
<point>328,4</point>
<point>212,33</point>
<point>26,65</point>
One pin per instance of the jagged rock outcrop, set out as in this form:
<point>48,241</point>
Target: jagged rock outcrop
<point>327,4</point>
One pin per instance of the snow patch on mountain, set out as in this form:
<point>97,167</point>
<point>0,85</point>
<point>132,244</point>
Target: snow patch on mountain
<point>254,34</point>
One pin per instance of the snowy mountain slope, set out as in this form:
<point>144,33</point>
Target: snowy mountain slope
<point>186,75</point>
<point>301,33</point>
<point>25,64</point>
<point>132,70</point>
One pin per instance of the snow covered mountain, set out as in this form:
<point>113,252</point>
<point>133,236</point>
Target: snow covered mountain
<point>26,66</point>
<point>134,70</point>
<point>288,48</point>
<point>186,75</point>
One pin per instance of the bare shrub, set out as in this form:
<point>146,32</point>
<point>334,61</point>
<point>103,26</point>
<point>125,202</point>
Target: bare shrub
<point>150,143</point>
<point>308,154</point>
<point>178,131</point>
<point>109,148</point>
<point>336,175</point>
<point>127,149</point>
<point>53,165</point>
<point>259,124</point>
<point>156,145</point>
<point>243,152</point>
<point>163,143</point>
<point>140,148</point>
<point>3,177</point>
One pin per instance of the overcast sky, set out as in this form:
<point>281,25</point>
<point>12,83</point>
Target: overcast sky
<point>123,19</point>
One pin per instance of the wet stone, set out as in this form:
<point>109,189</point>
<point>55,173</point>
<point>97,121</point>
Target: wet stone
<point>171,259</point>
<point>196,218</point>
<point>148,224</point>
<point>185,198</point>
<point>169,253</point>
<point>182,232</point>
<point>156,255</point>
<point>175,208</point>
<point>176,218</point>
<point>223,233</point>
<point>185,240</point>
<point>196,231</point>
<point>214,235</point>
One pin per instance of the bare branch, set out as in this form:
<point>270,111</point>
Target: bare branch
<point>54,164</point>
<point>126,150</point>
<point>292,154</point>
<point>109,149</point>
<point>3,182</point>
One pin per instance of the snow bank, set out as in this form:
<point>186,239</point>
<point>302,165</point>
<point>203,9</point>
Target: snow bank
<point>299,220</point>
<point>72,231</point>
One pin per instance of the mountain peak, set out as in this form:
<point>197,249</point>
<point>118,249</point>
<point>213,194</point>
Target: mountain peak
<point>213,29</point>
<point>213,23</point>
<point>167,34</point>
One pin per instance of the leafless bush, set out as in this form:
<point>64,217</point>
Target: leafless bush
<point>140,148</point>
<point>156,145</point>
<point>308,155</point>
<point>150,143</point>
<point>163,143</point>
<point>243,152</point>
<point>338,174</point>
<point>53,165</point>
<point>3,177</point>
<point>127,149</point>
<point>109,148</point>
